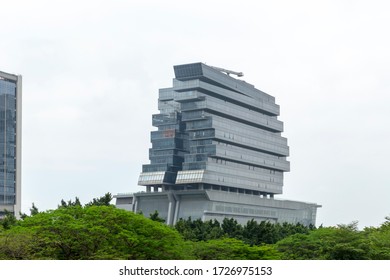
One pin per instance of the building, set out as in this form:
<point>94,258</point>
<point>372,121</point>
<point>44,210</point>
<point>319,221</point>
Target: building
<point>10,143</point>
<point>218,152</point>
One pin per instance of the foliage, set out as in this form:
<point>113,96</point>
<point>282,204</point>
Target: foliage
<point>101,201</point>
<point>379,240</point>
<point>233,249</point>
<point>253,233</point>
<point>33,210</point>
<point>99,230</point>
<point>343,242</point>
<point>15,244</point>
<point>155,217</point>
<point>70,203</point>
<point>93,232</point>
<point>8,220</point>
<point>197,230</point>
<point>232,228</point>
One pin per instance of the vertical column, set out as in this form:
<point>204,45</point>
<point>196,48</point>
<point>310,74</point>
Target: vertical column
<point>176,215</point>
<point>169,213</point>
<point>171,209</point>
<point>18,179</point>
<point>135,204</point>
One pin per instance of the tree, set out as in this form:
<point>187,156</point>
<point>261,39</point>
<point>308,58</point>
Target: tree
<point>154,217</point>
<point>93,232</point>
<point>343,242</point>
<point>33,210</point>
<point>15,244</point>
<point>197,230</point>
<point>70,203</point>
<point>379,240</point>
<point>185,228</point>
<point>103,200</point>
<point>231,228</point>
<point>8,220</point>
<point>233,249</point>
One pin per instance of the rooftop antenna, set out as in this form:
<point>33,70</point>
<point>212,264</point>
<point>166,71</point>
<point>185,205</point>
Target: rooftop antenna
<point>228,72</point>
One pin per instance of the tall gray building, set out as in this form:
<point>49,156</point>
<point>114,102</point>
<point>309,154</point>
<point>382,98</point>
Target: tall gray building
<point>217,152</point>
<point>10,143</point>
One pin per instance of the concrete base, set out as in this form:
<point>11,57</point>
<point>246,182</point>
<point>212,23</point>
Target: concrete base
<point>211,204</point>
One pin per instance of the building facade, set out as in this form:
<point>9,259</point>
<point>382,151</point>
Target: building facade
<point>10,143</point>
<point>218,152</point>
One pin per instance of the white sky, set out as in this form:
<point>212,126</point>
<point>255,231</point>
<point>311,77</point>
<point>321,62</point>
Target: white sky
<point>92,69</point>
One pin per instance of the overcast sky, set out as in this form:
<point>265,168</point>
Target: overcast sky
<point>92,69</point>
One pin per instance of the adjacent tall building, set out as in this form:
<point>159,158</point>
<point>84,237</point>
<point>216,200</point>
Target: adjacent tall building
<point>10,143</point>
<point>218,152</point>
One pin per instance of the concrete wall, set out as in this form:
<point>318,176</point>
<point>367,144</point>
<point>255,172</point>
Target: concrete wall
<point>208,205</point>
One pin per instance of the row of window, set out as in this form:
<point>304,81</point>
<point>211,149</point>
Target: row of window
<point>167,107</point>
<point>190,176</point>
<point>232,126</point>
<point>151,178</point>
<point>242,166</point>
<point>252,143</point>
<point>9,154</point>
<point>252,157</point>
<point>163,119</point>
<point>166,94</point>
<point>7,87</point>
<point>265,104</point>
<point>209,149</point>
<point>195,157</point>
<point>194,165</point>
<point>241,182</point>
<point>254,173</point>
<point>205,133</point>
<point>237,148</point>
<point>7,171</point>
<point>193,115</point>
<point>188,70</point>
<point>7,179</point>
<point>7,189</point>
<point>167,133</point>
<point>243,210</point>
<point>176,126</point>
<point>193,176</point>
<point>7,199</point>
<point>199,124</point>
<point>234,110</point>
<point>168,143</point>
<point>166,153</point>
<point>201,142</point>
<point>174,160</point>
<point>185,96</point>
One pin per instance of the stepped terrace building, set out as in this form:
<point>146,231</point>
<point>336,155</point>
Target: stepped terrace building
<point>10,143</point>
<point>217,152</point>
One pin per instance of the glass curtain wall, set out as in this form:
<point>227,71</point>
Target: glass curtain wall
<point>216,132</point>
<point>7,142</point>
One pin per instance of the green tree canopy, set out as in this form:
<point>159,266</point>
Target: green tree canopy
<point>344,242</point>
<point>233,249</point>
<point>101,201</point>
<point>94,232</point>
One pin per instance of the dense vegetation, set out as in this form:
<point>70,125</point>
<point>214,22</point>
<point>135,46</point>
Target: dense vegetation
<point>99,230</point>
<point>253,233</point>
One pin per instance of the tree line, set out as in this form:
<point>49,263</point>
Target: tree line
<point>252,233</point>
<point>98,230</point>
